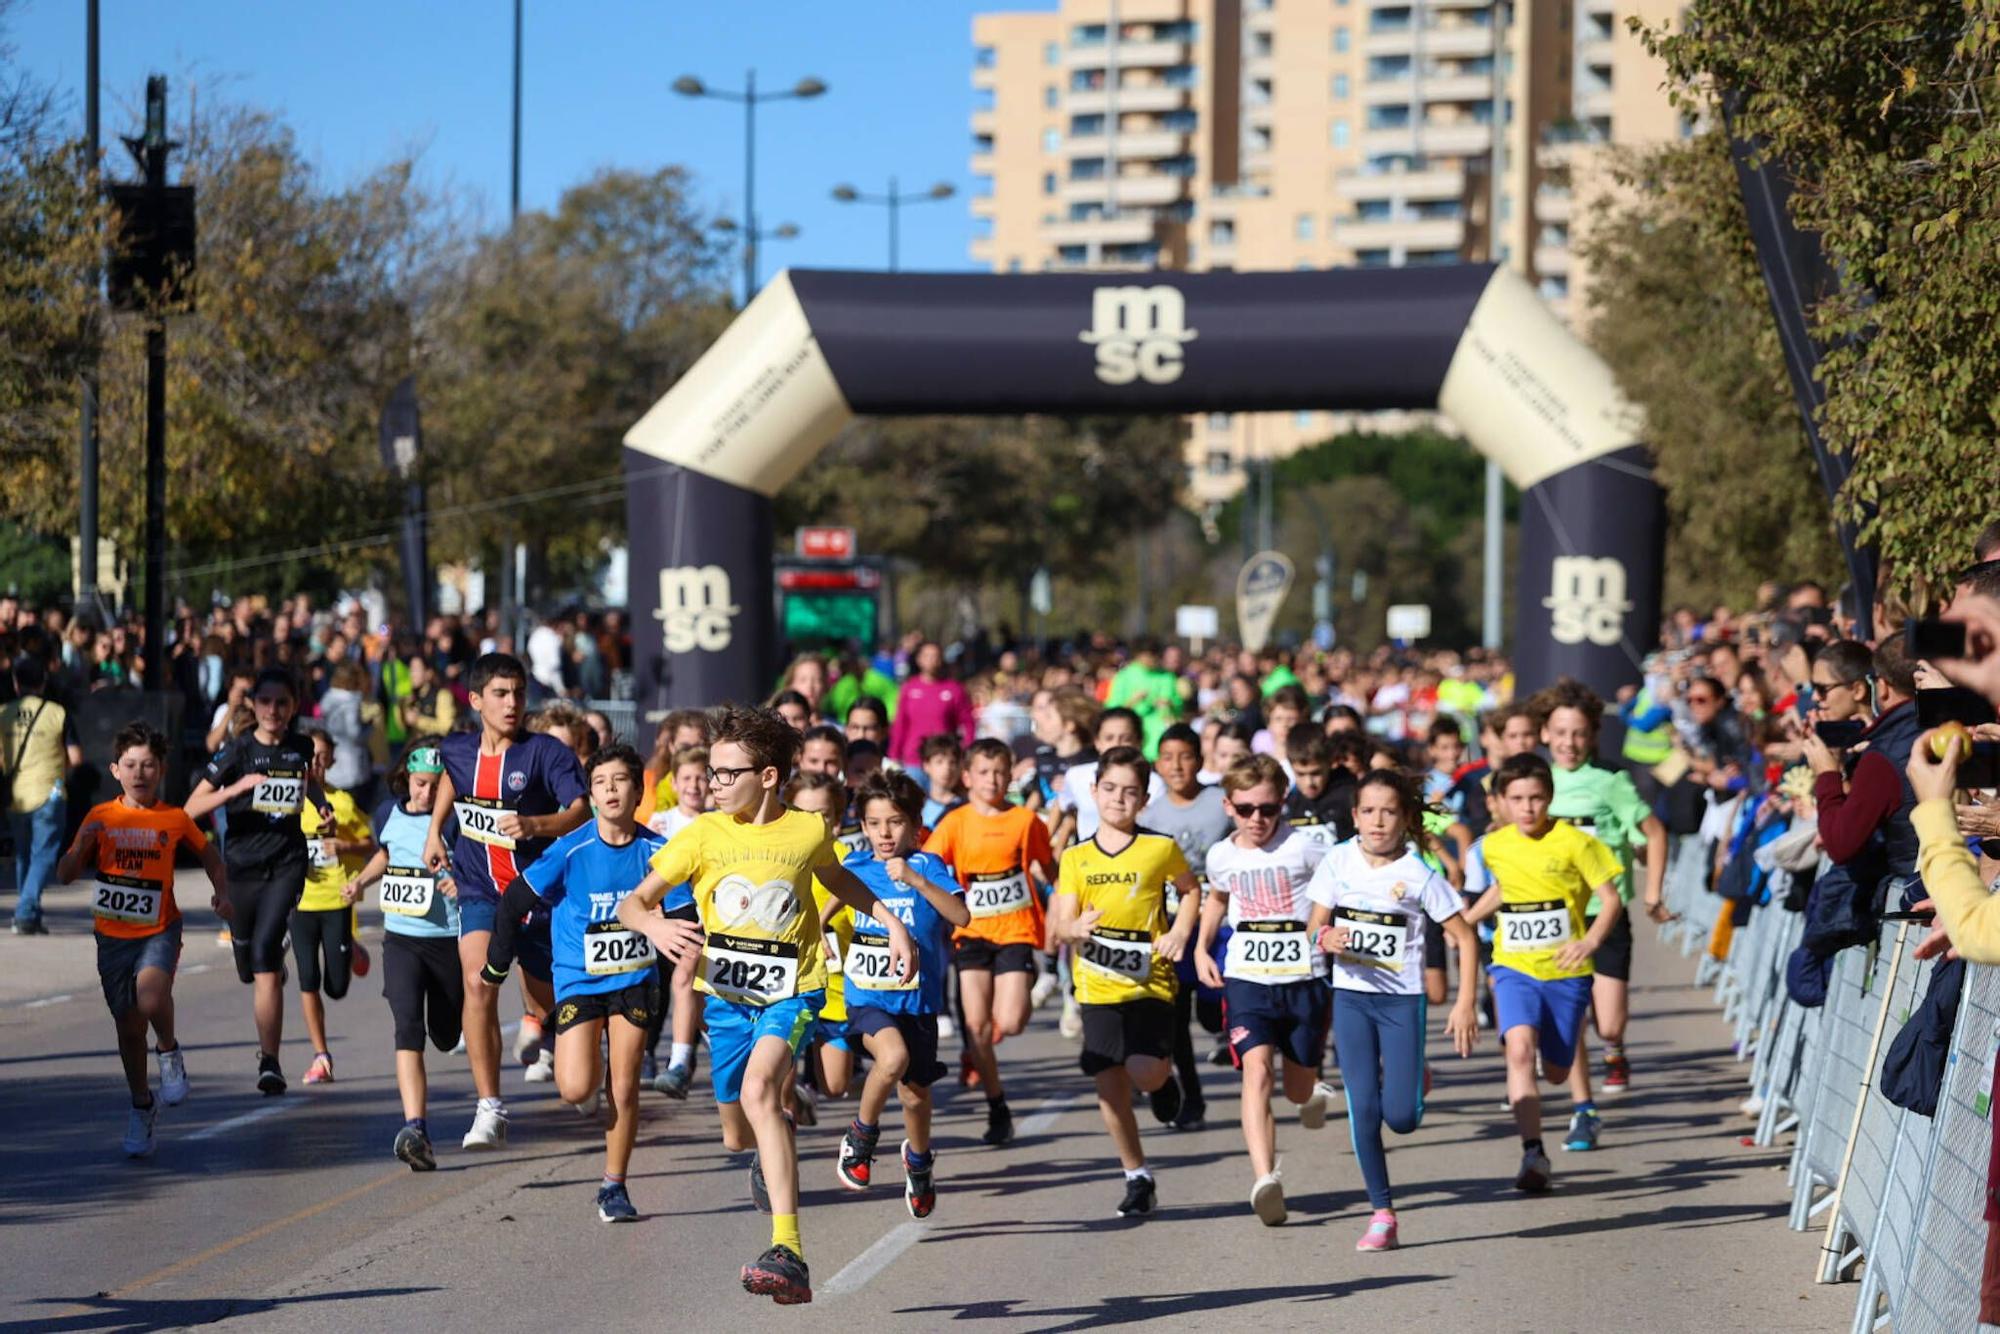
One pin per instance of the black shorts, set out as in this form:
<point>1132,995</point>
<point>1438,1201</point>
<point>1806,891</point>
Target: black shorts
<point>920,1037</point>
<point>1614,957</point>
<point>323,947</point>
<point>1114,1034</point>
<point>425,986</point>
<point>638,1004</point>
<point>261,899</point>
<point>1291,1016</point>
<point>687,912</point>
<point>984,956</point>
<point>1435,953</point>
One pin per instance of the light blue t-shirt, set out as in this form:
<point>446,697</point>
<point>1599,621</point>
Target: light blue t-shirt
<point>408,881</point>
<point>930,931</point>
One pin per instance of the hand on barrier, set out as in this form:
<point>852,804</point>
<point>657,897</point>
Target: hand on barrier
<point>1938,942</point>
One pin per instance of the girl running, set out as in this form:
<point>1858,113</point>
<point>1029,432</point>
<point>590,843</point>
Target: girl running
<point>323,944</point>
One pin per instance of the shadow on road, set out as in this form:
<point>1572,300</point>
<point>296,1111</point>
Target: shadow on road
<point>1107,1312</point>
<point>117,1316</point>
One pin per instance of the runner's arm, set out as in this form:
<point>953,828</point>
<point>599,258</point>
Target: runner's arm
<point>1174,944</point>
<point>515,904</point>
<point>207,796</point>
<point>1214,907</point>
<point>373,871</point>
<point>218,881</point>
<point>845,886</point>
<point>945,903</point>
<point>1656,868</point>
<point>1488,904</point>
<point>1462,1024</point>
<point>435,855</point>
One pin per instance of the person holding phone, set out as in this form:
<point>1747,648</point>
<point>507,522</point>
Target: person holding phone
<point>1865,791</point>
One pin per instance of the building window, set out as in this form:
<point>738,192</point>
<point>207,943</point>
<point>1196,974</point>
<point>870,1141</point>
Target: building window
<point>1051,96</point>
<point>1302,421</point>
<point>1087,34</point>
<point>983,57</point>
<point>1374,210</point>
<point>1382,69</point>
<point>1051,140</point>
<point>1372,259</point>
<point>1014,264</point>
<point>1052,54</point>
<point>1302,227</point>
<point>1222,231</point>
<point>1086,169</point>
<point>1395,116</point>
<point>1555,287</point>
<point>1178,76</point>
<point>1048,182</point>
<point>1218,422</point>
<point>1070,254</point>
<point>1340,40</point>
<point>1082,125</point>
<point>1341,134</point>
<point>1340,88</point>
<point>1181,121</point>
<point>1219,463</point>
<point>1086,80</point>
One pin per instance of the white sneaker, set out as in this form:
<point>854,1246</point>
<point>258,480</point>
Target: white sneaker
<point>489,1129</point>
<point>543,1071</point>
<point>1267,1198</point>
<point>591,1106</point>
<point>173,1077</point>
<point>1752,1105</point>
<point>1071,1023</point>
<point>139,1131</point>
<point>1312,1112</point>
<point>1045,987</point>
<point>946,1028</point>
<point>528,1040</point>
<point>459,1050</point>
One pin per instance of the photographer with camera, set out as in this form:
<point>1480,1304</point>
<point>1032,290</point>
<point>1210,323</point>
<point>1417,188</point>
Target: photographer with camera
<point>1862,793</point>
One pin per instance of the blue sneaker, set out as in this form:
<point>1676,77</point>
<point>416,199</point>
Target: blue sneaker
<point>1584,1128</point>
<point>614,1205</point>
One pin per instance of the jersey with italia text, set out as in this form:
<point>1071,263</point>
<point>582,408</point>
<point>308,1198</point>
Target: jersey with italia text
<point>264,831</point>
<point>1605,804</point>
<point>581,878</point>
<point>413,899</point>
<point>1383,910</point>
<point>536,775</point>
<point>1268,907</point>
<point>1129,887</point>
<point>871,981</point>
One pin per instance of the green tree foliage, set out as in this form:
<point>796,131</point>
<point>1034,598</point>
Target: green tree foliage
<point>1678,309</point>
<point>1877,110</point>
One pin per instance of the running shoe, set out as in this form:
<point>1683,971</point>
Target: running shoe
<point>139,1130</point>
<point>1267,1200</point>
<point>1381,1233</point>
<point>458,1048</point>
<point>999,1125</point>
<point>173,1077</point>
<point>1194,1116</point>
<point>542,1070</point>
<point>968,1073</point>
<point>614,1205</point>
<point>1222,1055</point>
<point>1617,1073</point>
<point>947,1030</point>
<point>805,1103</point>
<point>489,1129</point>
<point>1167,1101</point>
<point>32,926</point>
<point>1071,1023</point>
<point>413,1146</point>
<point>856,1165</point>
<point>1140,1197</point>
<point>674,1083</point>
<point>361,962</point>
<point>1044,988</point>
<point>1312,1112</point>
<point>321,1069</point>
<point>1535,1172</point>
<point>529,1040</point>
<point>224,939</point>
<point>1584,1128</point>
<point>919,1184</point>
<point>780,1274</point>
<point>591,1106</point>
<point>760,1194</point>
<point>270,1079</point>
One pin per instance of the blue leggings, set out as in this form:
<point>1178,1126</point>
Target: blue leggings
<point>1380,1040</point>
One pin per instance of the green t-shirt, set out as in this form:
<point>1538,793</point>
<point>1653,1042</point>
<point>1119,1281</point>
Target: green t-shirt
<point>1153,693</point>
<point>1604,803</point>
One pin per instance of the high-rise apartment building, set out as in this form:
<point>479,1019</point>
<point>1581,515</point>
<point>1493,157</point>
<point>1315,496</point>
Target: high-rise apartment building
<point>1277,134</point>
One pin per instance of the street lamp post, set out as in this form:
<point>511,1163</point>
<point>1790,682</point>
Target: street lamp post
<point>784,231</point>
<point>894,201</point>
<point>689,86</point>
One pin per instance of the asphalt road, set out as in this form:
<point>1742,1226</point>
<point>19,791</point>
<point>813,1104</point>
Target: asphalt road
<point>290,1214</point>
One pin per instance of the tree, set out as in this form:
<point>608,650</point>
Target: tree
<point>1677,308</point>
<point>1875,109</point>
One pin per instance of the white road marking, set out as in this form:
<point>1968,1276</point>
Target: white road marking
<point>197,968</point>
<point>263,1113</point>
<point>1045,1115</point>
<point>49,1000</point>
<point>874,1260</point>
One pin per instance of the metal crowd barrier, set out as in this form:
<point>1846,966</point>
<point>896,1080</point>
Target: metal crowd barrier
<point>1899,1196</point>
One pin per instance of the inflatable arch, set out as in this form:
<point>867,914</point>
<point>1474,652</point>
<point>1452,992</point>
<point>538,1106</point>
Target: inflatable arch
<point>816,348</point>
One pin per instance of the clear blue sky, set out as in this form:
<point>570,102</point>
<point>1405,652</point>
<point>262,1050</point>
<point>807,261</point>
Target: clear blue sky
<point>361,81</point>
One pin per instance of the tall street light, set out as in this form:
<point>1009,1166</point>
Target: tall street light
<point>784,231</point>
<point>689,86</point>
<point>894,201</point>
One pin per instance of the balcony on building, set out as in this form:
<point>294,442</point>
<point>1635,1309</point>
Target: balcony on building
<point>1406,230</point>
<point>1401,178</point>
<point>1124,227</point>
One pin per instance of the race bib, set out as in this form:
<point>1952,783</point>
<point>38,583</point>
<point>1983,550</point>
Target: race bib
<point>1535,928</point>
<point>120,899</point>
<point>317,856</point>
<point>610,948</point>
<point>1115,953</point>
<point>1374,939</point>
<point>479,820</point>
<point>870,968</point>
<point>755,972</point>
<point>1321,835</point>
<point>278,794</point>
<point>408,891</point>
<point>1270,949</point>
<point>831,945</point>
<point>996,895</point>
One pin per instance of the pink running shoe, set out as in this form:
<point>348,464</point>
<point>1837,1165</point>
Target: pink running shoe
<point>321,1070</point>
<point>1381,1234</point>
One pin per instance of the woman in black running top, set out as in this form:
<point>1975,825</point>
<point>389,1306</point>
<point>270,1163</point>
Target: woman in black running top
<point>263,778</point>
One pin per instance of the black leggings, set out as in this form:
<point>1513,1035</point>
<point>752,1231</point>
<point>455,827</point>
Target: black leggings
<point>426,989</point>
<point>1184,1063</point>
<point>261,900</point>
<point>323,943</point>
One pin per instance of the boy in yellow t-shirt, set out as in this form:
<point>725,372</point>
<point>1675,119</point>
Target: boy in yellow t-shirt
<point>1544,874</point>
<point>323,924</point>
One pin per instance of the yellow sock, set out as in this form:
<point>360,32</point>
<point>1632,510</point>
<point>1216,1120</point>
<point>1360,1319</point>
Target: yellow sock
<point>785,1232</point>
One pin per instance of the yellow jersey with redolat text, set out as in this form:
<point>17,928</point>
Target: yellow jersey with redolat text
<point>1129,887</point>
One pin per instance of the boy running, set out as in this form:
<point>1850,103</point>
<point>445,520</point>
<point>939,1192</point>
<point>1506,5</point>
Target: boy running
<point>1001,857</point>
<point>898,1018</point>
<point>751,862</point>
<point>130,843</point>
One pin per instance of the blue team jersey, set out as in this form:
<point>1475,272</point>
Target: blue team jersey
<point>580,879</point>
<point>412,899</point>
<point>537,775</point>
<point>867,956</point>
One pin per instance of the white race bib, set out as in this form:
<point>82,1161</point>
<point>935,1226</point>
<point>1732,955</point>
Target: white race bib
<point>610,948</point>
<point>999,894</point>
<point>1374,939</point>
<point>755,972</point>
<point>831,944</point>
<point>119,899</point>
<point>408,892</point>
<point>1116,953</point>
<point>870,968</point>
<point>1535,928</point>
<point>317,856</point>
<point>278,794</point>
<point>1277,950</point>
<point>479,820</point>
